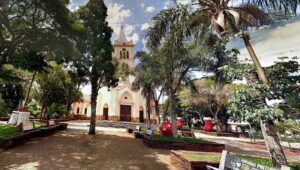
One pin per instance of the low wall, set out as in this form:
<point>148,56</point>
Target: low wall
<point>190,146</point>
<point>181,162</point>
<point>26,136</point>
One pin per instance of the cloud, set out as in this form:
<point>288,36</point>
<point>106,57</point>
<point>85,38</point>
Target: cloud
<point>117,16</point>
<point>145,26</point>
<point>150,9</point>
<point>134,37</point>
<point>75,4</point>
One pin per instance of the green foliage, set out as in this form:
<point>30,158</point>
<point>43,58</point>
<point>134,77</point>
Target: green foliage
<point>57,87</point>
<point>56,111</point>
<point>34,108</point>
<point>122,70</point>
<point>97,48</point>
<point>290,125</point>
<point>249,103</point>
<point>3,108</point>
<point>181,139</point>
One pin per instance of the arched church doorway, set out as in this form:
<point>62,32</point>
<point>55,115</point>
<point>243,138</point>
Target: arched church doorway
<point>125,113</point>
<point>141,116</point>
<point>105,112</point>
<point>125,106</point>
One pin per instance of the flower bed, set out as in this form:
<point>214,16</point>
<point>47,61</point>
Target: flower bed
<point>22,137</point>
<point>181,143</point>
<point>194,160</point>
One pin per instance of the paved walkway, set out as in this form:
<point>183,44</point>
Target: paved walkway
<point>73,149</point>
<point>244,147</point>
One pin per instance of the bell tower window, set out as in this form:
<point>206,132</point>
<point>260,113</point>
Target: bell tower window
<point>124,54</point>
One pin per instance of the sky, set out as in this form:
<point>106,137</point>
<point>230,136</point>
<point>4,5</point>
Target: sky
<point>135,15</point>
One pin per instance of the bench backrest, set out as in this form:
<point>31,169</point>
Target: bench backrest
<point>13,118</point>
<point>138,128</point>
<point>149,132</point>
<point>23,118</point>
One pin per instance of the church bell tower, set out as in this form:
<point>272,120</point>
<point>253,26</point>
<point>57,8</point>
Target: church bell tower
<point>124,49</point>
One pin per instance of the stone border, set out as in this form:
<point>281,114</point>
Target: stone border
<point>26,136</point>
<point>189,146</point>
<point>180,162</point>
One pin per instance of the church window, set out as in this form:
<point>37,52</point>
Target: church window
<point>120,54</point>
<point>77,110</point>
<point>85,111</point>
<point>125,97</point>
<point>124,53</point>
<point>127,54</point>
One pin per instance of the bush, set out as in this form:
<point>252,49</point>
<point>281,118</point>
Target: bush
<point>56,111</point>
<point>4,109</point>
<point>34,108</point>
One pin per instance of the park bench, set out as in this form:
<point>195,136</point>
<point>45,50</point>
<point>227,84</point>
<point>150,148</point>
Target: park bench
<point>21,120</point>
<point>149,134</point>
<point>230,161</point>
<point>137,132</point>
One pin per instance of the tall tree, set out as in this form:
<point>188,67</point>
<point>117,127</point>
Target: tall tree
<point>33,32</point>
<point>224,14</point>
<point>172,54</point>
<point>98,49</point>
<point>150,80</point>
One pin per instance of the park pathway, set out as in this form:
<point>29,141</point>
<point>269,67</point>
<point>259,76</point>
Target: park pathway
<point>241,146</point>
<point>73,149</point>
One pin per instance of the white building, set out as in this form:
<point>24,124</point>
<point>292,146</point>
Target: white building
<point>121,103</point>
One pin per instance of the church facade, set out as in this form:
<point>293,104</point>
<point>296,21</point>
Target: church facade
<point>121,103</point>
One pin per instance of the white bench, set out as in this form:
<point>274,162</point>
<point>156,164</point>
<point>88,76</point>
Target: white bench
<point>230,161</point>
<point>51,123</point>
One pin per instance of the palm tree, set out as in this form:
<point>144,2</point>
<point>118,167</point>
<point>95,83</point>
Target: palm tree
<point>223,17</point>
<point>149,80</point>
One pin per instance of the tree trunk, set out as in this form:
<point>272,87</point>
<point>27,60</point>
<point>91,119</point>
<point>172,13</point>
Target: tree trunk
<point>273,144</point>
<point>268,128</point>
<point>42,112</point>
<point>259,69</point>
<point>148,110</point>
<point>157,110</point>
<point>92,130</point>
<point>173,113</point>
<point>29,89</point>
<point>166,110</point>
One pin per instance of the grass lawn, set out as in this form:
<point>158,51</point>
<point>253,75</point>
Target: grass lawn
<point>38,125</point>
<point>181,139</point>
<point>7,131</point>
<point>211,157</point>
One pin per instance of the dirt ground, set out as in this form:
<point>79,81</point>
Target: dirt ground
<point>73,149</point>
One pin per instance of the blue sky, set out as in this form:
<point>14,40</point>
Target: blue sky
<point>269,43</point>
<point>135,15</point>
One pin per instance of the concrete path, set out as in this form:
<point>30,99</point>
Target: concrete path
<point>242,146</point>
<point>73,149</point>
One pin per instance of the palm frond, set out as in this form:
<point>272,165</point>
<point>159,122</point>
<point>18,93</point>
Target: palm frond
<point>164,22</point>
<point>286,6</point>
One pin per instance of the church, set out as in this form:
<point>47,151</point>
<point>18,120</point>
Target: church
<point>121,103</point>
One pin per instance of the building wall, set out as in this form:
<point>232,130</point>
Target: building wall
<point>82,106</point>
